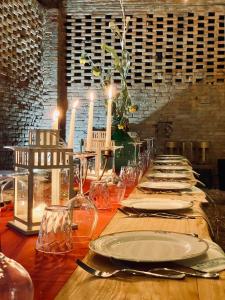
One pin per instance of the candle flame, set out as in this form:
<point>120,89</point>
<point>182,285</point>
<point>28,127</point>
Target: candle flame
<point>75,103</point>
<point>110,91</point>
<point>39,210</point>
<point>92,96</point>
<point>55,115</point>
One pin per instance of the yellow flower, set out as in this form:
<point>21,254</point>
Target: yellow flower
<point>121,126</point>
<point>83,60</point>
<point>133,108</point>
<point>96,71</point>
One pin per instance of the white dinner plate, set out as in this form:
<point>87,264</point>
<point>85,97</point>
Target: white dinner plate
<point>157,204</point>
<point>165,185</point>
<point>170,161</point>
<point>180,175</point>
<point>149,246</point>
<point>180,157</point>
<point>173,168</point>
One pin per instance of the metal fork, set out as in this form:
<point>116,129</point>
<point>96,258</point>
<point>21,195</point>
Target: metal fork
<point>104,274</point>
<point>195,273</point>
<point>155,272</point>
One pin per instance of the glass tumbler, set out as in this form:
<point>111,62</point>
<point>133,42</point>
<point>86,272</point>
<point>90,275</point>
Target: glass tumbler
<point>99,194</point>
<point>55,234</point>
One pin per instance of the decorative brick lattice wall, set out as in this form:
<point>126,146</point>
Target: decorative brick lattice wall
<point>178,66</point>
<point>24,40</point>
<point>165,48</point>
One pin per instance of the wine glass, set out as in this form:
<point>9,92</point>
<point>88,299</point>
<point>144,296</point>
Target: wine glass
<point>116,186</point>
<point>83,211</point>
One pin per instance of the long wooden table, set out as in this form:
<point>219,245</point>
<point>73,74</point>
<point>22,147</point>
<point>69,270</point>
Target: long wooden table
<point>83,286</point>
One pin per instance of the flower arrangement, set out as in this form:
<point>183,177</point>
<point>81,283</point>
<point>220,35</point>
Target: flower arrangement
<point>122,104</point>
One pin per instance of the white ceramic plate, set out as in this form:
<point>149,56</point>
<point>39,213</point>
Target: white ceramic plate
<point>149,246</point>
<point>157,204</point>
<point>170,161</point>
<point>165,185</point>
<point>161,175</point>
<point>173,168</point>
<point>170,157</point>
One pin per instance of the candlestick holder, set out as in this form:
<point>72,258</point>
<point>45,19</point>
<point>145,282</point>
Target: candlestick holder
<point>47,163</point>
<point>107,153</point>
<point>98,146</point>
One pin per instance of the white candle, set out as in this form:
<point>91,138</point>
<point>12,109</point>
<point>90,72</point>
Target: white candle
<point>55,172</point>
<point>90,123</point>
<point>109,120</point>
<point>38,212</point>
<point>72,125</point>
<point>55,124</point>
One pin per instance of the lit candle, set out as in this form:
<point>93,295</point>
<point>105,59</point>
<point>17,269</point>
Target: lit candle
<point>55,124</point>
<point>109,120</point>
<point>90,123</point>
<point>55,172</point>
<point>72,125</point>
<point>38,212</point>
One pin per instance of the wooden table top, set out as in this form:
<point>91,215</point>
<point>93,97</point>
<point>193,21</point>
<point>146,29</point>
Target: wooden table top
<point>81,285</point>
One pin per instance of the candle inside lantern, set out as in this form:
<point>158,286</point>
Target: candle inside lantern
<point>38,212</point>
<point>109,119</point>
<point>55,172</point>
<point>72,125</point>
<point>90,123</point>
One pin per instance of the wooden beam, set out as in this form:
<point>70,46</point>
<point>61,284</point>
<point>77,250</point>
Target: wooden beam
<point>62,101</point>
<point>50,3</point>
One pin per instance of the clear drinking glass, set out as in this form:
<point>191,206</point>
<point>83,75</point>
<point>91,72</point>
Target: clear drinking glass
<point>99,194</point>
<point>55,234</point>
<point>129,176</point>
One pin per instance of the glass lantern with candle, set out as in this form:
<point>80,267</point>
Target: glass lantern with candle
<point>46,178</point>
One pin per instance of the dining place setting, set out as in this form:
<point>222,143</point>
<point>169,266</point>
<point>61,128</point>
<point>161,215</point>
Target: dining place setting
<point>155,243</point>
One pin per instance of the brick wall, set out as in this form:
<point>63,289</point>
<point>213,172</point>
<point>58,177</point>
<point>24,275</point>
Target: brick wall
<point>177,75</point>
<point>28,61</point>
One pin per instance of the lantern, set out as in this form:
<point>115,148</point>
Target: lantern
<point>46,178</point>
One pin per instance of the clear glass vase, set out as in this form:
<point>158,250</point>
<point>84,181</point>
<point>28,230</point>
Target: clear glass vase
<point>15,282</point>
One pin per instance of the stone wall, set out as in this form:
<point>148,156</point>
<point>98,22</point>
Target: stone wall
<point>28,61</point>
<point>177,74</point>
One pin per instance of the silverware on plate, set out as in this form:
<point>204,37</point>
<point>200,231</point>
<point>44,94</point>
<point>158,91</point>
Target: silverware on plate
<point>139,214</point>
<point>104,274</point>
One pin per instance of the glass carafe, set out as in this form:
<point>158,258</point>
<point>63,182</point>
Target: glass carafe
<point>15,282</point>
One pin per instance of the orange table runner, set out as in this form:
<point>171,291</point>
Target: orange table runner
<point>48,272</point>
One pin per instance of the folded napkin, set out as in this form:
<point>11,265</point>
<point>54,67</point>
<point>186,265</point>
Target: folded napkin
<point>212,261</point>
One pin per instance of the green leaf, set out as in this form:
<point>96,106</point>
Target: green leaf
<point>114,55</point>
<point>115,29</point>
<point>96,71</point>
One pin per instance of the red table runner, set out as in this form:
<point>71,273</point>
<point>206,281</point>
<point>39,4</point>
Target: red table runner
<point>48,272</point>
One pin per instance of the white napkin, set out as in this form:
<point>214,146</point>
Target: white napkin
<point>212,261</point>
